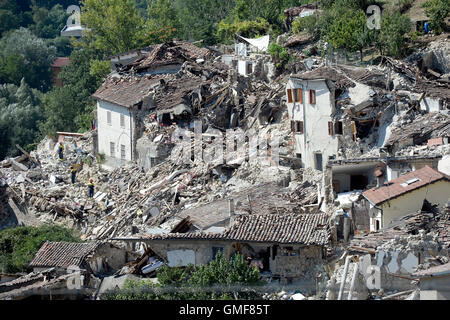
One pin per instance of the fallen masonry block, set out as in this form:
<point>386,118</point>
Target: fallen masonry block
<point>18,166</point>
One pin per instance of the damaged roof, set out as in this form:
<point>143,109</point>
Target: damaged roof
<point>443,269</point>
<point>125,91</point>
<point>265,198</point>
<point>62,254</point>
<point>404,184</point>
<point>176,92</point>
<point>171,53</point>
<point>306,229</point>
<point>326,73</point>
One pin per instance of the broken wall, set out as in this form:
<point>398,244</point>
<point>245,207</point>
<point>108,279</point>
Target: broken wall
<point>199,251</point>
<point>298,266</point>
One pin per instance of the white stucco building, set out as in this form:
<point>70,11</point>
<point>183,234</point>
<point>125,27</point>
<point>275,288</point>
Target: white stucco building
<point>120,106</point>
<point>406,195</point>
<point>311,106</point>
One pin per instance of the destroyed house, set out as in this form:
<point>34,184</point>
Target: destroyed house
<point>121,103</point>
<point>167,58</point>
<point>125,58</point>
<point>311,103</point>
<point>406,194</point>
<point>294,13</point>
<point>95,257</point>
<point>434,283</point>
<point>431,125</point>
<point>282,245</point>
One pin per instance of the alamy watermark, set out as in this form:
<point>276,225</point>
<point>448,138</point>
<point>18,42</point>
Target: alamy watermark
<point>233,147</point>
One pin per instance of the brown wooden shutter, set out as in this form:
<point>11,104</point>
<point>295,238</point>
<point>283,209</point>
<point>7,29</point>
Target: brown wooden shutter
<point>292,125</point>
<point>300,95</point>
<point>289,93</point>
<point>330,128</point>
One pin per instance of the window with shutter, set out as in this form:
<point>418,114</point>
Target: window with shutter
<point>312,96</point>
<point>295,94</point>
<point>289,94</point>
<point>108,117</point>
<point>330,128</point>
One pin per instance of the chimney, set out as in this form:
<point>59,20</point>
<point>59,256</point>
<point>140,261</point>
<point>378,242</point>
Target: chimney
<point>231,210</point>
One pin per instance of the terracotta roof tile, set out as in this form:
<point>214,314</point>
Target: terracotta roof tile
<point>397,187</point>
<point>62,254</point>
<point>307,229</point>
<point>125,91</point>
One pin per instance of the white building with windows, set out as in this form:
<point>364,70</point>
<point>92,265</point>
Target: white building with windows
<point>311,106</point>
<point>120,105</point>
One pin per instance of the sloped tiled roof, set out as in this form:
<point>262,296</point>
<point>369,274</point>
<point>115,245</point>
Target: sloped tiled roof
<point>125,91</point>
<point>307,229</point>
<point>394,188</point>
<point>62,254</point>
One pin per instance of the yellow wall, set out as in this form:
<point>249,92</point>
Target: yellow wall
<point>438,193</point>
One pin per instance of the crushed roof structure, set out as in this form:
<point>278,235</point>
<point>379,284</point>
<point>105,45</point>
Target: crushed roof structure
<point>62,254</point>
<point>439,88</point>
<point>420,130</point>
<point>438,224</point>
<point>170,53</point>
<point>404,184</point>
<point>176,92</point>
<point>304,229</point>
<point>326,73</point>
<point>264,199</point>
<point>126,91</point>
<point>434,271</point>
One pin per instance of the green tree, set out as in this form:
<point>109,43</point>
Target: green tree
<point>48,23</point>
<point>162,14</point>
<point>438,11</point>
<point>19,245</point>
<point>279,54</point>
<point>115,25</point>
<point>37,56</point>
<point>246,28</point>
<point>19,114</point>
<point>200,18</point>
<point>344,31</point>
<point>12,68</point>
<point>216,280</point>
<point>70,108</point>
<point>394,28</point>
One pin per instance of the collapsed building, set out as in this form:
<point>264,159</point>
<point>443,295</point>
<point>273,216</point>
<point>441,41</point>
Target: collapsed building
<point>345,142</point>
